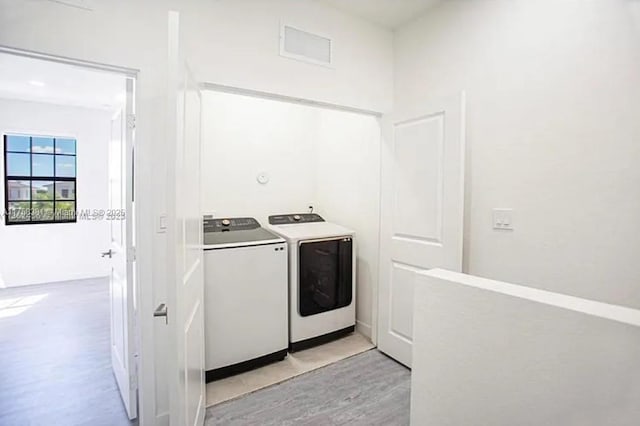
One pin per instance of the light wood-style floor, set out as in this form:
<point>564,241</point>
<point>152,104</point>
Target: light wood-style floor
<point>293,365</point>
<point>369,389</point>
<point>55,365</point>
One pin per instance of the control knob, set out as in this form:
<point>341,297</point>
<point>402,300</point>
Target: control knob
<point>226,222</point>
<point>297,217</point>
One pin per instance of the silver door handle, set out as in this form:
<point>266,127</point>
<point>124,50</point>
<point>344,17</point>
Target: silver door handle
<point>109,253</point>
<point>162,311</point>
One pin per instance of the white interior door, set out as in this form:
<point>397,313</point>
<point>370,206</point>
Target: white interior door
<point>122,253</point>
<point>422,196</point>
<point>186,277</point>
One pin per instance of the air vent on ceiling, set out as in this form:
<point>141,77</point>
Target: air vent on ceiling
<point>305,46</point>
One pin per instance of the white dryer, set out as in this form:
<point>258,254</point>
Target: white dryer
<point>246,302</point>
<point>322,278</point>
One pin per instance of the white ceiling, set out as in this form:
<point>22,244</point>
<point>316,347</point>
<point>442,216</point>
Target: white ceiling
<point>388,13</point>
<point>51,82</point>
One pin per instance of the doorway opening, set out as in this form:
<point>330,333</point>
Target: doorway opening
<point>265,155</point>
<point>67,243</point>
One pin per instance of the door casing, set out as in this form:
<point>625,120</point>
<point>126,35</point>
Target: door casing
<point>145,229</point>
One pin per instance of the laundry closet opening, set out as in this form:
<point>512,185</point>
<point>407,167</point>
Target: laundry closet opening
<point>263,156</point>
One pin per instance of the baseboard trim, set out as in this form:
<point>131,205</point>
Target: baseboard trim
<point>364,329</point>
<point>79,280</point>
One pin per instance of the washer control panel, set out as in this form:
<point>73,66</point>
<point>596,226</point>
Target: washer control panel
<point>285,219</point>
<point>229,224</point>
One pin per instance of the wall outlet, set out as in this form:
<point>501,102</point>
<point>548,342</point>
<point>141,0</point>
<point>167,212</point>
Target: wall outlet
<point>503,219</point>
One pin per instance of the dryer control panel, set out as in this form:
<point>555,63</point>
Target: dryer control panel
<point>285,219</point>
<point>230,224</point>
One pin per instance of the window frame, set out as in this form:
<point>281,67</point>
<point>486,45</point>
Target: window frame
<point>53,179</point>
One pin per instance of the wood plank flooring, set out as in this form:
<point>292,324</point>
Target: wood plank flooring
<point>55,369</point>
<point>293,365</point>
<point>55,365</point>
<point>368,389</point>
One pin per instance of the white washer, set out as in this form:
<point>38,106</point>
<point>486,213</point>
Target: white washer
<point>322,278</point>
<point>246,302</point>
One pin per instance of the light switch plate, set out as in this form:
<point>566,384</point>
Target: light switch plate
<point>503,219</point>
<point>161,223</point>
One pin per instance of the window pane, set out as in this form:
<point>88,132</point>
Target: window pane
<point>42,145</point>
<point>18,143</point>
<point>41,190</point>
<point>65,190</point>
<point>18,190</point>
<point>66,146</point>
<point>65,166</point>
<point>42,210</point>
<point>65,210</point>
<point>19,212</point>
<point>18,164</point>
<point>42,165</point>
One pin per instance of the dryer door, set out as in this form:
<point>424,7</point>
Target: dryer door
<point>325,275</point>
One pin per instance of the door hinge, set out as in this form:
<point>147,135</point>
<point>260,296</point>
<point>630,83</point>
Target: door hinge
<point>132,254</point>
<point>131,121</point>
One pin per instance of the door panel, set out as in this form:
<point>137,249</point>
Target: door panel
<point>418,187</point>
<point>422,199</point>
<point>123,350</point>
<point>190,217</point>
<point>194,363</point>
<point>400,296</point>
<point>185,288</point>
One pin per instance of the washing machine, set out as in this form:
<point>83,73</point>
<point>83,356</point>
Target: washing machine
<point>246,296</point>
<point>322,277</point>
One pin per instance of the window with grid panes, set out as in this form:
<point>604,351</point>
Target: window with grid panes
<point>40,179</point>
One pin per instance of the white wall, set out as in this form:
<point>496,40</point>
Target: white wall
<point>34,254</point>
<point>223,54</point>
<point>553,91</point>
<point>236,43</point>
<point>312,155</point>
<point>140,41</point>
<point>493,353</point>
<point>244,136</point>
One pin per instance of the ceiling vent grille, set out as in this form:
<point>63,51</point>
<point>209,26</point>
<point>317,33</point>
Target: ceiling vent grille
<point>305,46</point>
